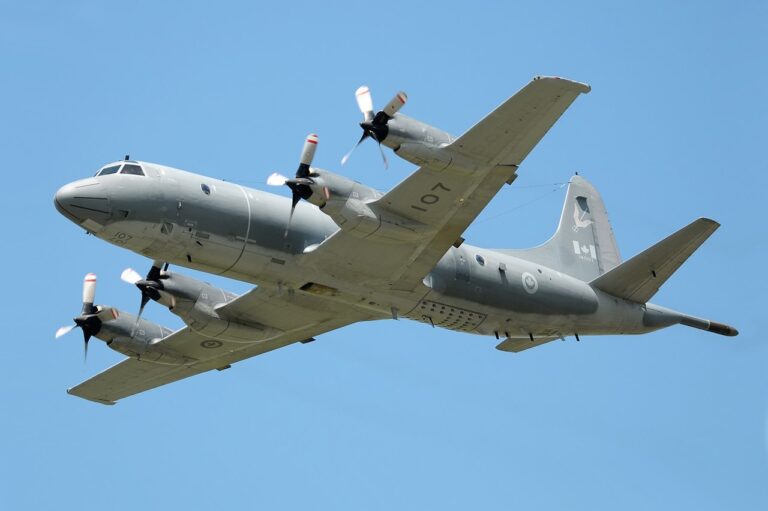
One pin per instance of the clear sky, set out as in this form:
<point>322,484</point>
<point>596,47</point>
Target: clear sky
<point>392,415</point>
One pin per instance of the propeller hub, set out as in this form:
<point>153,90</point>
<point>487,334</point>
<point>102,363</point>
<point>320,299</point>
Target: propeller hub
<point>150,287</point>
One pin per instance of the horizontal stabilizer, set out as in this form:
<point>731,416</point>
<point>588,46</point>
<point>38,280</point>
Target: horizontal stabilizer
<point>639,278</point>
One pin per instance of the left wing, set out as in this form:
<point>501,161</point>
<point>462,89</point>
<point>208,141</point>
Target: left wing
<point>438,203</point>
<point>293,316</point>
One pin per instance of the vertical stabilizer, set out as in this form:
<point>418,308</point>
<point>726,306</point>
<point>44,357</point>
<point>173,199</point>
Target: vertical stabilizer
<point>583,246</point>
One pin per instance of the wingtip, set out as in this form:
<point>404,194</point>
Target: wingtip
<point>572,84</point>
<point>710,221</point>
<point>94,399</point>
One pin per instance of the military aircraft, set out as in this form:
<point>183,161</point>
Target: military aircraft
<point>338,252</point>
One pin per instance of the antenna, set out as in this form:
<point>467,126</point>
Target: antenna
<point>127,157</point>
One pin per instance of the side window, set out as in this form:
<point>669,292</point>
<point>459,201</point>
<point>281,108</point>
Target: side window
<point>134,170</point>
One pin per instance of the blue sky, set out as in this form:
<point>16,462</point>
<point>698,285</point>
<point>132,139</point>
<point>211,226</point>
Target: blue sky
<point>393,414</point>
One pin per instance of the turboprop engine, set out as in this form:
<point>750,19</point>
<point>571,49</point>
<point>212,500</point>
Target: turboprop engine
<point>411,139</point>
<point>350,204</point>
<point>124,333</point>
<point>197,303</point>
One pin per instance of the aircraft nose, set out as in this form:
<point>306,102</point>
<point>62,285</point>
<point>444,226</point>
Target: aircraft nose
<point>83,200</point>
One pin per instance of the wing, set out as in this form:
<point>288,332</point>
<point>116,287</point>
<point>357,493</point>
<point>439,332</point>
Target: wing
<point>509,133</point>
<point>292,316</point>
<point>446,201</point>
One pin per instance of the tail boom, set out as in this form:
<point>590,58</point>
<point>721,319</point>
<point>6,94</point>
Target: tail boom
<point>660,317</point>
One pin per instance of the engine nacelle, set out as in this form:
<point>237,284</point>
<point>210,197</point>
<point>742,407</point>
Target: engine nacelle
<point>348,202</point>
<point>439,158</point>
<point>139,340</point>
<point>204,320</point>
<point>195,302</point>
<point>402,129</point>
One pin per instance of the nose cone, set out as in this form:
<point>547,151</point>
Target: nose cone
<point>82,201</point>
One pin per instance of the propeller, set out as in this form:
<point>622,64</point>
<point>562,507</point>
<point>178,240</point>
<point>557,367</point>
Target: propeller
<point>91,317</point>
<point>299,185</point>
<point>149,286</point>
<point>375,125</point>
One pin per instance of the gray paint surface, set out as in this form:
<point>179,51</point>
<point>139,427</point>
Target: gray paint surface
<point>354,254</point>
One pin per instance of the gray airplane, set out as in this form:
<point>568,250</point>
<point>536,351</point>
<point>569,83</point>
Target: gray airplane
<point>339,252</point>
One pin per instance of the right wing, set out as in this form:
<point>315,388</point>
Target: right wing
<point>443,202</point>
<point>509,133</point>
<point>294,316</point>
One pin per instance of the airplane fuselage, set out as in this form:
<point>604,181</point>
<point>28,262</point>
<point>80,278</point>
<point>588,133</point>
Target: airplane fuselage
<point>223,228</point>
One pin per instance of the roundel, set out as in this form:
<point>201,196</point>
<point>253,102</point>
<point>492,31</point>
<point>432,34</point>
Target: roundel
<point>529,283</point>
<point>211,344</point>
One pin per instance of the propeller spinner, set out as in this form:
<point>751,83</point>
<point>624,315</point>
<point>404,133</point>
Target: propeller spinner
<point>375,125</point>
<point>91,317</point>
<point>299,185</point>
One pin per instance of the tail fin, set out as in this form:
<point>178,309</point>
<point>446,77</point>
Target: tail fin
<point>583,246</point>
<point>640,278</point>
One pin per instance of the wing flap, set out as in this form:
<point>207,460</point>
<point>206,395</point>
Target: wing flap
<point>517,345</point>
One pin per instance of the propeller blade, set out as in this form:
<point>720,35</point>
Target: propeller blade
<point>346,156</point>
<point>154,271</point>
<point>295,198</point>
<point>365,102</point>
<point>308,151</point>
<point>383,156</point>
<point>144,302</point>
<point>130,276</point>
<point>64,330</point>
<point>89,293</point>
<point>89,288</point>
<point>146,288</point>
<point>276,179</point>
<point>86,338</point>
<point>395,104</point>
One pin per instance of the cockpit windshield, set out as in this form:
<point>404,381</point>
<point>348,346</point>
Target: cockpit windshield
<point>132,169</point>
<point>112,169</point>
<point>123,168</point>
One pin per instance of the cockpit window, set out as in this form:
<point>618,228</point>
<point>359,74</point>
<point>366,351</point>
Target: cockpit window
<point>134,170</point>
<point>109,170</point>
